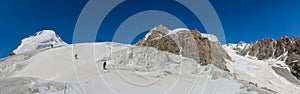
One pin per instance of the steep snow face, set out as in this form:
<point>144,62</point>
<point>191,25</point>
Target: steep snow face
<point>270,75</point>
<point>40,40</point>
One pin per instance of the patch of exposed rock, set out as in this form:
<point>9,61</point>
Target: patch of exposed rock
<point>204,48</point>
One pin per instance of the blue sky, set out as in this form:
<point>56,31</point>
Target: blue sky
<point>243,20</point>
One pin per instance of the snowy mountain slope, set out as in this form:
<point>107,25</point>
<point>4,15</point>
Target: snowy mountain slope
<point>268,74</point>
<point>131,70</point>
<point>14,63</point>
<point>40,40</point>
<point>77,69</point>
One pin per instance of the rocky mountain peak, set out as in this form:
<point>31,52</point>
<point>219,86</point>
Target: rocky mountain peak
<point>162,29</point>
<point>40,40</point>
<point>204,48</point>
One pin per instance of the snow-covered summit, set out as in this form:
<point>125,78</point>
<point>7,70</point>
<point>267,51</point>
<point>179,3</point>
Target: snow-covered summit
<point>237,47</point>
<point>40,40</point>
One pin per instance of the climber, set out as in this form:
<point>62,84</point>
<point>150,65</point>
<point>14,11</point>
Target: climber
<point>104,65</point>
<point>76,56</point>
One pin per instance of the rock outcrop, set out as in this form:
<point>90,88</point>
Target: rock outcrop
<point>204,48</point>
<point>284,49</point>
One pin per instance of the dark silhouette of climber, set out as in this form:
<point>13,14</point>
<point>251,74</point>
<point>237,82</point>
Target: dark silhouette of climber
<point>104,65</point>
<point>76,56</point>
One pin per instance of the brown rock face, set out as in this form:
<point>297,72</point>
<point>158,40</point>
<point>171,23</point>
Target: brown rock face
<point>159,40</point>
<point>284,49</point>
<point>188,43</point>
<point>263,48</point>
<point>165,44</point>
<point>204,50</point>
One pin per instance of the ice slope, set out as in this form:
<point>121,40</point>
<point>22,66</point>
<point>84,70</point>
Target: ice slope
<point>11,64</point>
<point>40,40</point>
<point>268,74</point>
<point>131,70</point>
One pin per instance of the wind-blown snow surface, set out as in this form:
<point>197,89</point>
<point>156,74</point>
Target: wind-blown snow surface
<point>22,85</point>
<point>271,75</point>
<point>131,70</point>
<point>41,40</point>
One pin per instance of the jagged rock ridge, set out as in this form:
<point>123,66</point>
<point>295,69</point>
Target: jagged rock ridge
<point>284,49</point>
